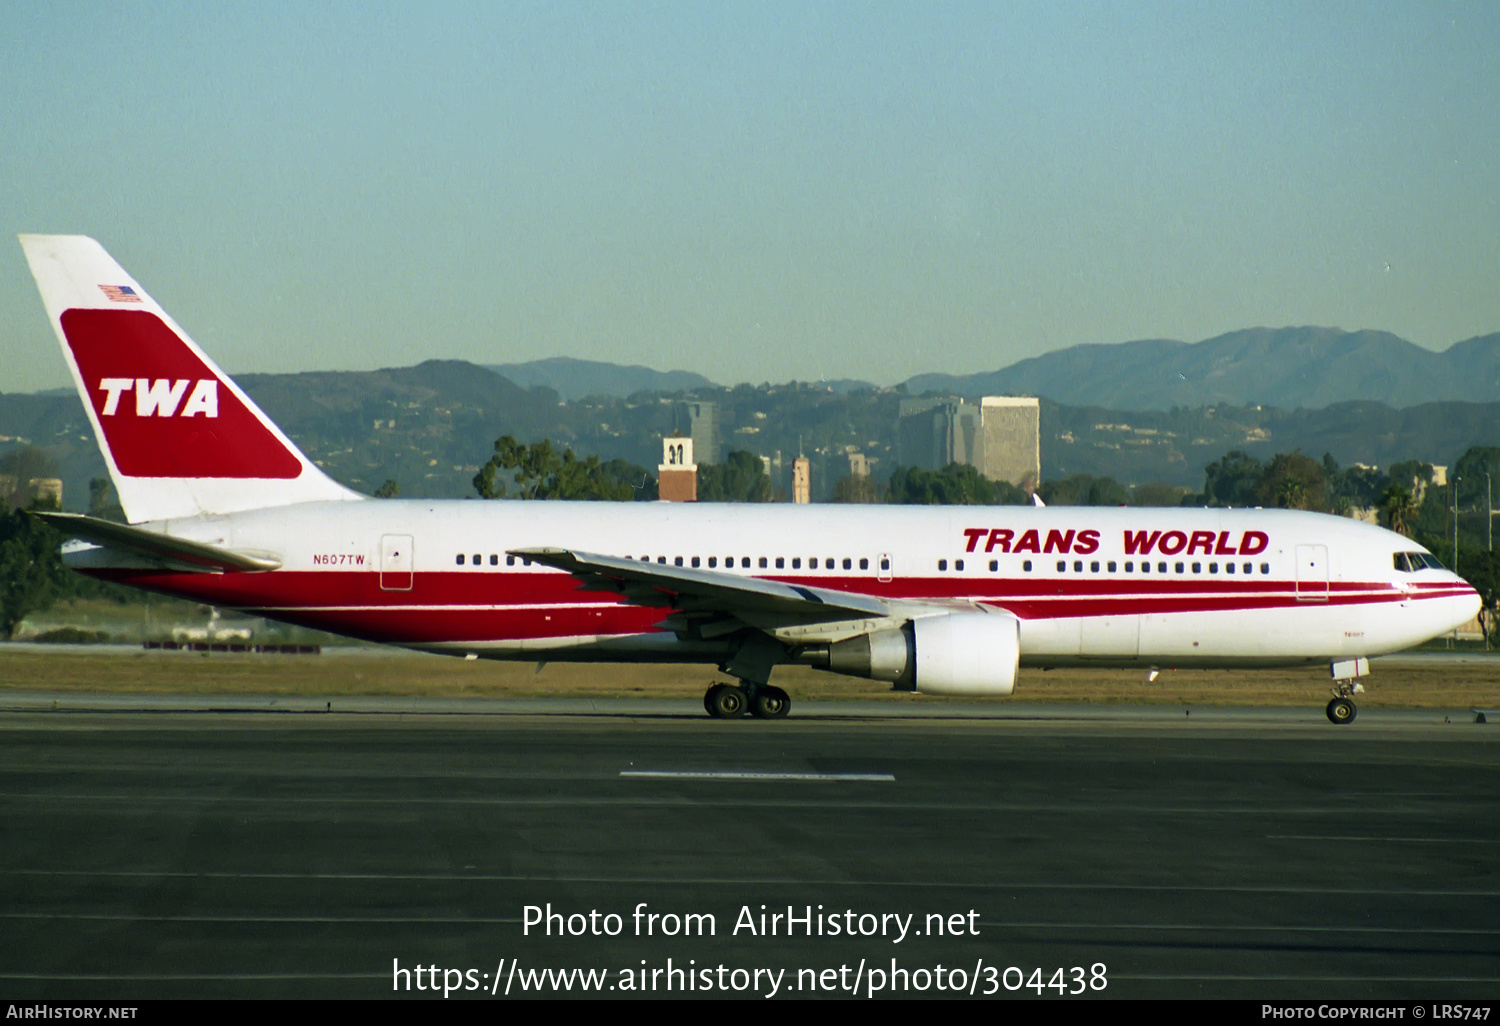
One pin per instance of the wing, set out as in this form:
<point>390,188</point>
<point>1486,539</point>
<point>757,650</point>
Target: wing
<point>171,553</point>
<point>710,603</point>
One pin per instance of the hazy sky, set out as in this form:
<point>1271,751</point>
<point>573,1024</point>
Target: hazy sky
<point>754,191</point>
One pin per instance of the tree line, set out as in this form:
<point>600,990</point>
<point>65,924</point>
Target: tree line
<point>32,574</point>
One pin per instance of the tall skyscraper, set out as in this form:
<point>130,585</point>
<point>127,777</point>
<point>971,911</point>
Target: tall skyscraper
<point>801,480</point>
<point>1000,436</point>
<point>1012,449</point>
<point>700,421</point>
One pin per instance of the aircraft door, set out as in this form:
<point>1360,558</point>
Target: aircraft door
<point>883,568</point>
<point>1312,573</point>
<point>396,562</point>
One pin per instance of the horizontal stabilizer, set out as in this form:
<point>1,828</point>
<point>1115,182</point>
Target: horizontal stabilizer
<point>177,553</point>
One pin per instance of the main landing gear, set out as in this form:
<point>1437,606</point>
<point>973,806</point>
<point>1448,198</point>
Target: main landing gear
<point>727,701</point>
<point>753,659</point>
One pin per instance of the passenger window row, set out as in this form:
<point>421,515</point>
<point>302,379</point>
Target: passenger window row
<point>763,562</point>
<point>1111,566</point>
<point>1161,568</point>
<point>1403,561</point>
<point>1408,561</point>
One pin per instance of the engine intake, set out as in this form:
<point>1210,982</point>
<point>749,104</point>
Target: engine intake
<point>950,654</point>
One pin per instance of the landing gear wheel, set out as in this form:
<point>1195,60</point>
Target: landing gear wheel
<point>724,702</point>
<point>770,703</point>
<point>1341,710</point>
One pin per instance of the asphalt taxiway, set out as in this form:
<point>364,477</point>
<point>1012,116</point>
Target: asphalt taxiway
<point>151,850</point>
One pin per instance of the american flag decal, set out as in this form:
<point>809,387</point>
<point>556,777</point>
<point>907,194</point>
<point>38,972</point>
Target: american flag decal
<point>120,293</point>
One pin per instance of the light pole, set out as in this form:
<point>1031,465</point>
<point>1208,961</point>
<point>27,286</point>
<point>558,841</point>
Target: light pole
<point>1453,491</point>
<point>1453,494</point>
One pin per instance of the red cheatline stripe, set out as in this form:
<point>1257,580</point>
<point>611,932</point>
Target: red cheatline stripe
<point>1097,605</point>
<point>459,607</point>
<point>361,589</point>
<point>1046,606</point>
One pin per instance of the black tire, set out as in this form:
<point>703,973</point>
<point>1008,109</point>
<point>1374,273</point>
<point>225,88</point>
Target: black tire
<point>1341,711</point>
<point>725,702</point>
<point>771,703</point>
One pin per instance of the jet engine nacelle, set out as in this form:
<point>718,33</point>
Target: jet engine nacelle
<point>950,654</point>
<point>967,653</point>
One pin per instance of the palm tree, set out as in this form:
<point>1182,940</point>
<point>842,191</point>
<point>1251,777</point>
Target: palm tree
<point>1291,493</point>
<point>1399,507</point>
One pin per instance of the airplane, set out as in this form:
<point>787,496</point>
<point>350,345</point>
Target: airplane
<point>224,509</point>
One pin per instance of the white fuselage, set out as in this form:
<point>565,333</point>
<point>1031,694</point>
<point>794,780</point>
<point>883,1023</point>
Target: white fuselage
<point>1182,587</point>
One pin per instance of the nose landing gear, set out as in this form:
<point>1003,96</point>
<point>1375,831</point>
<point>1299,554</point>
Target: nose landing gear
<point>1341,709</point>
<point>1345,687</point>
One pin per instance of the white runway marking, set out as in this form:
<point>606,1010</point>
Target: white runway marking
<point>751,775</point>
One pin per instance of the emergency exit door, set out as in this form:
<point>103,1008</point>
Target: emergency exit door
<point>395,562</point>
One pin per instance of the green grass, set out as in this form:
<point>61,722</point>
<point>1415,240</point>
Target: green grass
<point>1439,686</point>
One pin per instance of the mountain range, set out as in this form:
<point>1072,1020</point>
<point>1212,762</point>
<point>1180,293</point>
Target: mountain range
<point>578,379</point>
<point>1139,411</point>
<point>1285,367</point>
<point>1290,368</point>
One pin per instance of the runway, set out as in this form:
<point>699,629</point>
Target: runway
<point>148,853</point>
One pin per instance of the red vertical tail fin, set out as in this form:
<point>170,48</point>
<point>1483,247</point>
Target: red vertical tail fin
<point>179,436</point>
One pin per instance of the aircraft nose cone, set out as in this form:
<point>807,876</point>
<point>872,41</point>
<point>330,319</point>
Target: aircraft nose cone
<point>1468,601</point>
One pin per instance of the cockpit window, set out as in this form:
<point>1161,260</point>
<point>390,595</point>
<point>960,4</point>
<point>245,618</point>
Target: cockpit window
<point>1411,562</point>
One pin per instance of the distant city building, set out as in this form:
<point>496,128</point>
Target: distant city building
<point>801,480</point>
<point>45,489</point>
<point>677,476</point>
<point>1000,436</point>
<point>932,433</point>
<point>859,465</point>
<point>1012,440</point>
<point>699,421</point>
